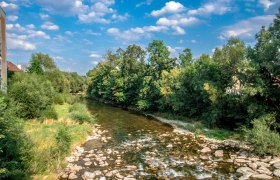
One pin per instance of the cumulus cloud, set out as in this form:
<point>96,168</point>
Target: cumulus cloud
<point>26,32</point>
<point>19,44</point>
<point>178,21</point>
<point>50,26</point>
<point>246,28</point>
<point>64,7</point>
<point>12,18</point>
<point>133,34</point>
<point>219,7</point>
<point>8,6</point>
<point>266,4</point>
<point>170,7</point>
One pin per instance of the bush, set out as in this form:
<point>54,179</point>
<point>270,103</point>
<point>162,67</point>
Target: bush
<point>80,113</point>
<point>59,99</point>
<point>49,113</point>
<point>63,141</point>
<point>15,146</point>
<point>32,93</point>
<point>264,140</point>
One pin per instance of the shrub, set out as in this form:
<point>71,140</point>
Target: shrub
<point>264,140</point>
<point>49,113</point>
<point>59,99</point>
<point>32,93</point>
<point>63,140</point>
<point>80,113</point>
<point>15,146</point>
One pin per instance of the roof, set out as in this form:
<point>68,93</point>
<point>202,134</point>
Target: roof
<point>12,67</point>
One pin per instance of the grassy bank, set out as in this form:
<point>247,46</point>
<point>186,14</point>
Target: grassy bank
<point>54,139</point>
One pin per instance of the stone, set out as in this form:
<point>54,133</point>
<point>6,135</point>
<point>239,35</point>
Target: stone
<point>65,176</point>
<point>89,175</point>
<point>72,176</point>
<point>253,165</point>
<point>88,163</point>
<point>118,175</point>
<point>244,170</point>
<point>219,153</point>
<point>241,161</point>
<point>109,174</point>
<point>263,164</point>
<point>261,176</point>
<point>206,150</point>
<point>102,178</point>
<point>169,146</point>
<point>276,172</point>
<point>264,170</point>
<point>98,173</point>
<point>86,159</point>
<point>129,178</point>
<point>203,157</point>
<point>276,165</point>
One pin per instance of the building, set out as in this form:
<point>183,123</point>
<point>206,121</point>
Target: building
<point>3,61</point>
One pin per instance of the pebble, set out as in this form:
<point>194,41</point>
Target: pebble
<point>206,150</point>
<point>219,153</point>
<point>276,172</point>
<point>72,176</point>
<point>261,176</point>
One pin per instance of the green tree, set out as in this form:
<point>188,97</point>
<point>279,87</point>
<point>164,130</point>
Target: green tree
<point>39,63</point>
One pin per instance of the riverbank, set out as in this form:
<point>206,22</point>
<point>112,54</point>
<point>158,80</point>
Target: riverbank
<point>53,140</point>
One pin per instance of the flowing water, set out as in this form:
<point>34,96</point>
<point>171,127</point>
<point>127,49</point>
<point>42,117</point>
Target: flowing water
<point>132,146</point>
<point>153,147</point>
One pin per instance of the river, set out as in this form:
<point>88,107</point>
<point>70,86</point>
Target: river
<point>130,146</point>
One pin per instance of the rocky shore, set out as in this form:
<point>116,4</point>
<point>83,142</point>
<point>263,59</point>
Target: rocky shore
<point>170,155</point>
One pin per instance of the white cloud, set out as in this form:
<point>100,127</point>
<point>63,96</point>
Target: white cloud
<point>87,42</point>
<point>62,39</point>
<point>193,41</point>
<point>12,18</point>
<point>8,6</point>
<point>219,7</point>
<point>19,44</point>
<point>147,3</point>
<point>178,21</point>
<point>246,28</point>
<point>70,33</point>
<point>64,7</point>
<point>25,32</point>
<point>120,17</point>
<point>266,4</point>
<point>178,30</point>
<point>30,26</point>
<point>170,7</point>
<point>95,55</point>
<point>133,34</point>
<point>44,16</point>
<point>50,26</point>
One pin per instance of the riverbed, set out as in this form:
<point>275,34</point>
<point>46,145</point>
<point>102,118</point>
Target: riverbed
<point>125,145</point>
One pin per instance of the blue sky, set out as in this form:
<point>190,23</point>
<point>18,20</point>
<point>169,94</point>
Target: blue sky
<point>77,33</point>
